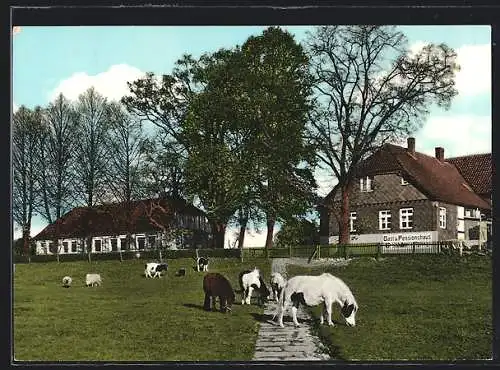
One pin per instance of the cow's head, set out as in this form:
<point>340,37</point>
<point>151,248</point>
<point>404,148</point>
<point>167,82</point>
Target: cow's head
<point>349,310</point>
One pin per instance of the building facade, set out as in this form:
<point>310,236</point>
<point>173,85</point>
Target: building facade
<point>401,196</point>
<point>139,225</point>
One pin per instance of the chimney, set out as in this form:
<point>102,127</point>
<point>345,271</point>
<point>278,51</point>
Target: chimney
<point>411,145</point>
<point>439,153</point>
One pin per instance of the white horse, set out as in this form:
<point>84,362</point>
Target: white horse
<point>249,280</point>
<point>314,290</point>
<point>277,283</point>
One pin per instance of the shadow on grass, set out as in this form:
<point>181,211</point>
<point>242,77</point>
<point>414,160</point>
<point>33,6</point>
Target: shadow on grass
<point>197,306</point>
<point>262,317</point>
<point>322,332</point>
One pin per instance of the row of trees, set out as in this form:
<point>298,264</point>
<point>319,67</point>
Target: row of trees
<point>240,130</point>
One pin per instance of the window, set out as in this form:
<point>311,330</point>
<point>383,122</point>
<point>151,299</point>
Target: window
<point>97,245</point>
<point>365,184</point>
<point>352,219</point>
<point>403,181</point>
<point>73,246</point>
<point>123,243</point>
<point>141,242</point>
<point>442,217</point>
<point>406,218</point>
<point>384,220</point>
<point>114,245</point>
<point>65,247</point>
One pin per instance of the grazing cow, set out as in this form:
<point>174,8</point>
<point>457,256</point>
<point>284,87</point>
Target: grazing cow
<point>313,290</point>
<point>216,285</point>
<point>250,280</point>
<point>153,269</point>
<point>201,264</point>
<point>181,272</point>
<point>93,279</point>
<point>67,280</point>
<point>277,283</point>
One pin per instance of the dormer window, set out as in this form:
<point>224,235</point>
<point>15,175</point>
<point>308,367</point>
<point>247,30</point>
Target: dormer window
<point>365,184</point>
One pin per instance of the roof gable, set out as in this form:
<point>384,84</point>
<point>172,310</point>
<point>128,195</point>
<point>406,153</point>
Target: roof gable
<point>440,180</point>
<point>111,219</point>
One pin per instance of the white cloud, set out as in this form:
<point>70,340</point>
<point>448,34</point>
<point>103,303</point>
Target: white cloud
<point>474,77</point>
<point>15,107</point>
<point>458,135</point>
<point>111,83</point>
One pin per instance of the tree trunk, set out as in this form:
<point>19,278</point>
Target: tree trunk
<point>241,236</point>
<point>270,229</point>
<point>344,229</point>
<point>26,240</point>
<point>218,231</point>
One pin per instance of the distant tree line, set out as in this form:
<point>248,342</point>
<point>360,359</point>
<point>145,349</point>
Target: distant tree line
<point>237,131</point>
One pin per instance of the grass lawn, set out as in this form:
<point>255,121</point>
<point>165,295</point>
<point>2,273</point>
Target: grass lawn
<point>128,318</point>
<point>413,308</point>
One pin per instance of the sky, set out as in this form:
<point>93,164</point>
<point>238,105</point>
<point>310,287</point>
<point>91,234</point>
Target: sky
<point>49,60</point>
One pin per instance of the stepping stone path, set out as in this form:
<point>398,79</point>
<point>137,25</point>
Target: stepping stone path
<point>289,343</point>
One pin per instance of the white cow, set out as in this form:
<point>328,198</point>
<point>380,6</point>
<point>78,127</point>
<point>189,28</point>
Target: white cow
<point>93,279</point>
<point>277,283</point>
<point>314,290</point>
<point>249,280</point>
<point>153,269</point>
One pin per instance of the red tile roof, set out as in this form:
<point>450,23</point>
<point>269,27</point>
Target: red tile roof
<point>438,180</point>
<point>111,219</point>
<point>476,169</point>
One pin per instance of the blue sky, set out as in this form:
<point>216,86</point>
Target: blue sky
<point>48,60</point>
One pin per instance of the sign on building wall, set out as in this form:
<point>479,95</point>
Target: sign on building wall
<point>410,237</point>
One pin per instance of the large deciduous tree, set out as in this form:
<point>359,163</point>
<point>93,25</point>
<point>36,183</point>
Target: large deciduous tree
<point>26,129</point>
<point>217,171</point>
<point>56,157</point>
<point>371,88</point>
<point>277,88</point>
<point>92,151</point>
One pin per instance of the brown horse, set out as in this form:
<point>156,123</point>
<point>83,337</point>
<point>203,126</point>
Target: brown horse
<point>216,285</point>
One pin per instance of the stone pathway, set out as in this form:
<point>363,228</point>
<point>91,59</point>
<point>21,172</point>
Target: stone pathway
<point>289,343</point>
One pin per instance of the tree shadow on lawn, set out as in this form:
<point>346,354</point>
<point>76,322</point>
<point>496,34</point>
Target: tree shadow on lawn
<point>321,331</point>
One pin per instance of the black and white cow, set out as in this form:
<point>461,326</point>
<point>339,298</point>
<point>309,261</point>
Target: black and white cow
<point>201,264</point>
<point>154,269</point>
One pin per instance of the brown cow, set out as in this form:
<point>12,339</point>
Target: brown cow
<point>216,285</point>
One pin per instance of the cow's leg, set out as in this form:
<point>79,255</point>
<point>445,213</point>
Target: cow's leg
<point>206,303</point>
<point>294,316</point>
<point>281,312</point>
<point>244,292</point>
<point>296,298</point>
<point>249,295</point>
<point>323,313</point>
<point>222,301</point>
<point>328,306</point>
